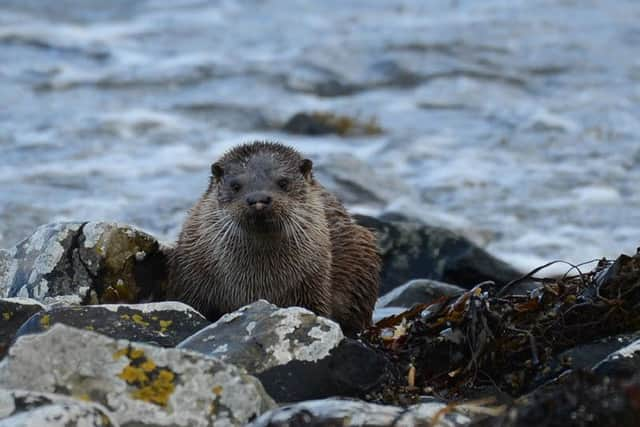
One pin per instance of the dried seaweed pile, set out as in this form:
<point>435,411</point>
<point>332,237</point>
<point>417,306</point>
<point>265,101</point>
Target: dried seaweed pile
<point>495,339</point>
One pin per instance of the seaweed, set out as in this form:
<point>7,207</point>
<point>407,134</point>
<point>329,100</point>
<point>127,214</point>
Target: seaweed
<point>492,341</point>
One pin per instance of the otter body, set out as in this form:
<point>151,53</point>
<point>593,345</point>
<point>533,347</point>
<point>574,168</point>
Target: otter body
<point>266,229</point>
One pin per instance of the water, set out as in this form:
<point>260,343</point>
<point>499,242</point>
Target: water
<point>514,122</point>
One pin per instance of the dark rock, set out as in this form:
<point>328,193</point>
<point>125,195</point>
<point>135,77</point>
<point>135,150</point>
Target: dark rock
<point>141,385</point>
<point>329,123</point>
<point>622,363</point>
<point>419,291</point>
<point>281,346</point>
<point>414,251</point>
<point>85,263</point>
<point>13,313</point>
<point>339,413</point>
<point>578,399</point>
<point>164,324</point>
<point>32,409</point>
<point>586,356</point>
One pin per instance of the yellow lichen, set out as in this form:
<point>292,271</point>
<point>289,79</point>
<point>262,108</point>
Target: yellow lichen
<point>139,320</point>
<point>152,384</point>
<point>136,353</point>
<point>217,390</point>
<point>164,325</point>
<point>118,354</point>
<point>7,315</point>
<point>148,366</point>
<point>45,321</point>
<point>157,391</point>
<point>131,375</point>
<point>83,396</point>
<point>125,317</point>
<point>89,328</point>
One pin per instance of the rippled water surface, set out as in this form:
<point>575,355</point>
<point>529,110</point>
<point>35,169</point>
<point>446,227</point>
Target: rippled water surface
<point>515,122</point>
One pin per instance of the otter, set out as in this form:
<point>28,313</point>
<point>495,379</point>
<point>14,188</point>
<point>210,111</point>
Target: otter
<point>266,229</point>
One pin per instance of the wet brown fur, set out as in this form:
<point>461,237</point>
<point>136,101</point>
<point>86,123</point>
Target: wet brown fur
<point>316,256</point>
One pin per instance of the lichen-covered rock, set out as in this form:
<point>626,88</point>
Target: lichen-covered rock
<point>419,291</point>
<point>20,408</point>
<point>415,251</point>
<point>296,354</point>
<point>13,313</point>
<point>140,384</point>
<point>84,263</point>
<point>165,324</point>
<point>350,413</point>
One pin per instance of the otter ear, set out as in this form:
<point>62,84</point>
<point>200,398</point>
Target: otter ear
<point>217,172</point>
<point>305,168</point>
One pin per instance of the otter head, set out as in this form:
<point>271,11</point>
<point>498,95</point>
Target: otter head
<point>261,185</point>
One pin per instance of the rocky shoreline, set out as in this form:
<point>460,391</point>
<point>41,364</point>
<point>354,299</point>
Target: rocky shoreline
<point>87,339</point>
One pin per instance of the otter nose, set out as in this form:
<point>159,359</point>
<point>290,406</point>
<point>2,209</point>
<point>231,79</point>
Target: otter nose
<point>258,201</point>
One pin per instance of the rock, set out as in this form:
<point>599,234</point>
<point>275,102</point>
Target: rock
<point>414,251</point>
<point>346,413</point>
<point>419,291</point>
<point>32,409</point>
<point>586,356</point>
<point>318,123</point>
<point>140,384</point>
<point>164,324</point>
<point>580,398</point>
<point>85,263</point>
<point>282,346</point>
<point>13,313</point>
<point>622,363</point>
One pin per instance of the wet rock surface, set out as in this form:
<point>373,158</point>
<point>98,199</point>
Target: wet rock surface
<point>414,251</point>
<point>281,346</point>
<point>84,263</point>
<point>623,362</point>
<point>579,399</point>
<point>13,313</point>
<point>419,291</point>
<point>32,409</point>
<point>138,383</point>
<point>348,413</point>
<point>163,324</point>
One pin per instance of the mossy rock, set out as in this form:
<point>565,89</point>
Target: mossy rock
<point>85,263</point>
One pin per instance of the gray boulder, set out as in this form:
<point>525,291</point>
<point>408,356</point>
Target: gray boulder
<point>13,313</point>
<point>414,251</point>
<point>20,408</point>
<point>164,324</point>
<point>140,384</point>
<point>350,413</point>
<point>84,263</point>
<point>296,354</point>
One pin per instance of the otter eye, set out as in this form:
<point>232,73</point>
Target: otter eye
<point>235,186</point>
<point>283,183</point>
